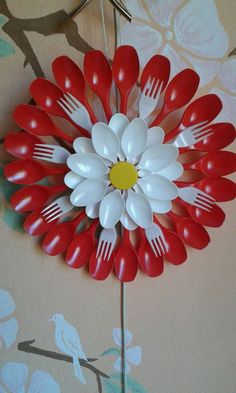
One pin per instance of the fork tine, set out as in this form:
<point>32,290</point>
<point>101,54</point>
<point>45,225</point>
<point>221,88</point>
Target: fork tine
<point>152,244</point>
<point>50,212</point>
<point>161,245</point>
<point>150,87</point>
<point>202,193</point>
<point>77,102</point>
<point>98,248</point>
<point>197,204</point>
<point>147,85</point>
<point>67,111</point>
<point>43,146</point>
<point>70,102</point>
<point>163,242</point>
<point>108,247</point>
<point>200,130</point>
<point>158,90</point>
<point>52,215</point>
<point>102,248</point>
<point>157,246</point>
<point>42,157</point>
<point>110,251</point>
<point>202,137</point>
<point>55,217</point>
<point>204,201</point>
<point>49,206</point>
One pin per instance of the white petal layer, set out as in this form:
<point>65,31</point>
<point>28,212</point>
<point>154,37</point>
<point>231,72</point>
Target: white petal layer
<point>105,141</point>
<point>134,139</point>
<point>127,221</point>
<point>160,206</point>
<point>139,209</point>
<point>92,211</point>
<point>88,192</point>
<point>158,187</point>
<point>87,165</point>
<point>83,145</point>
<point>118,124</point>
<point>172,171</point>
<point>155,136</point>
<point>158,157</point>
<point>111,209</point>
<point>72,180</point>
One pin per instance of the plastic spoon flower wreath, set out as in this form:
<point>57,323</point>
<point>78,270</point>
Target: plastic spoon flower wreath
<point>124,174</point>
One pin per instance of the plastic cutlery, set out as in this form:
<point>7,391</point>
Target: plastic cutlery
<point>157,157</point>
<point>70,79</point>
<point>219,163</point>
<point>214,218</point>
<point>190,231</point>
<point>157,187</point>
<point>134,139</point>
<point>81,247</point>
<point>222,135</point>
<point>37,122</point>
<point>151,264</point>
<point>51,153</point>
<point>29,171</point>
<point>98,268</point>
<point>21,144</point>
<point>97,72</point>
<point>196,198</point>
<point>126,259</point>
<point>35,225</point>
<point>176,252</point>
<point>61,235</point>
<point>107,144</point>
<point>33,197</point>
<point>72,180</point>
<point>156,239</point>
<point>219,188</point>
<point>57,208</point>
<point>192,135</point>
<point>158,69</point>
<point>203,109</point>
<point>139,209</point>
<point>106,244</point>
<point>179,92</point>
<point>149,97</point>
<point>125,71</point>
<point>76,111</point>
<point>46,94</point>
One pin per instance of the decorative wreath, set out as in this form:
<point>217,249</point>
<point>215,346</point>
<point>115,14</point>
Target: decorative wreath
<point>125,174</point>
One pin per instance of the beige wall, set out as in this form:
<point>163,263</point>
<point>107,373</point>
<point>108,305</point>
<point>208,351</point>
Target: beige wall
<point>185,321</point>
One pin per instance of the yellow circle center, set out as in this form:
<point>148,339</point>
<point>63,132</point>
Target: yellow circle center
<point>123,175</point>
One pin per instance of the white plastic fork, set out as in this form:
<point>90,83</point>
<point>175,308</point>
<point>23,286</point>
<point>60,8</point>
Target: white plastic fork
<point>76,111</point>
<point>156,239</point>
<point>149,97</point>
<point>51,153</point>
<point>106,244</point>
<point>56,209</point>
<point>193,134</point>
<point>196,197</point>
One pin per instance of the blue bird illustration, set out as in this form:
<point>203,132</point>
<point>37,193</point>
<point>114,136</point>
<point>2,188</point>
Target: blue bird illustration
<point>68,341</point>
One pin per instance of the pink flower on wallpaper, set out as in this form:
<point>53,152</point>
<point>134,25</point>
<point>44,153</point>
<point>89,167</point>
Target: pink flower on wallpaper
<point>191,35</point>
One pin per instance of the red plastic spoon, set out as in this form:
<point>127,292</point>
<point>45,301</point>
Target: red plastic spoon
<point>37,122</point>
<point>61,235</point>
<point>223,134</point>
<point>126,259</point>
<point>98,268</point>
<point>179,92</point>
<point>150,264</point>
<point>29,171</point>
<point>219,188</point>
<point>81,247</point>
<point>46,94</point>
<point>218,163</point>
<point>97,72</point>
<point>125,71</point>
<point>34,197</point>
<point>35,225</point>
<point>191,232</point>
<point>213,218</point>
<point>70,79</point>
<point>21,144</point>
<point>176,251</point>
<point>203,109</point>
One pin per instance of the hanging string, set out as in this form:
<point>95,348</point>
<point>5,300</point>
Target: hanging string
<point>104,28</point>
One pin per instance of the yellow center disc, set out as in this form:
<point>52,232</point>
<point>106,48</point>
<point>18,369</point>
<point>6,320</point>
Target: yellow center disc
<point>123,175</point>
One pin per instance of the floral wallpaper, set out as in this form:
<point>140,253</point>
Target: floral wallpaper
<point>191,34</point>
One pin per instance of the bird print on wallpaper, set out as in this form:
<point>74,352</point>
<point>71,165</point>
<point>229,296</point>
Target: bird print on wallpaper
<point>68,341</point>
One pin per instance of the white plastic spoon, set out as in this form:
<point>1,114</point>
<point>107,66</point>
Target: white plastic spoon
<point>83,145</point>
<point>134,139</point>
<point>105,142</point>
<point>72,180</point>
<point>87,165</point>
<point>88,192</point>
<point>156,205</point>
<point>172,171</point>
<point>158,187</point>
<point>111,209</point>
<point>157,157</point>
<point>155,136</point>
<point>139,209</point>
